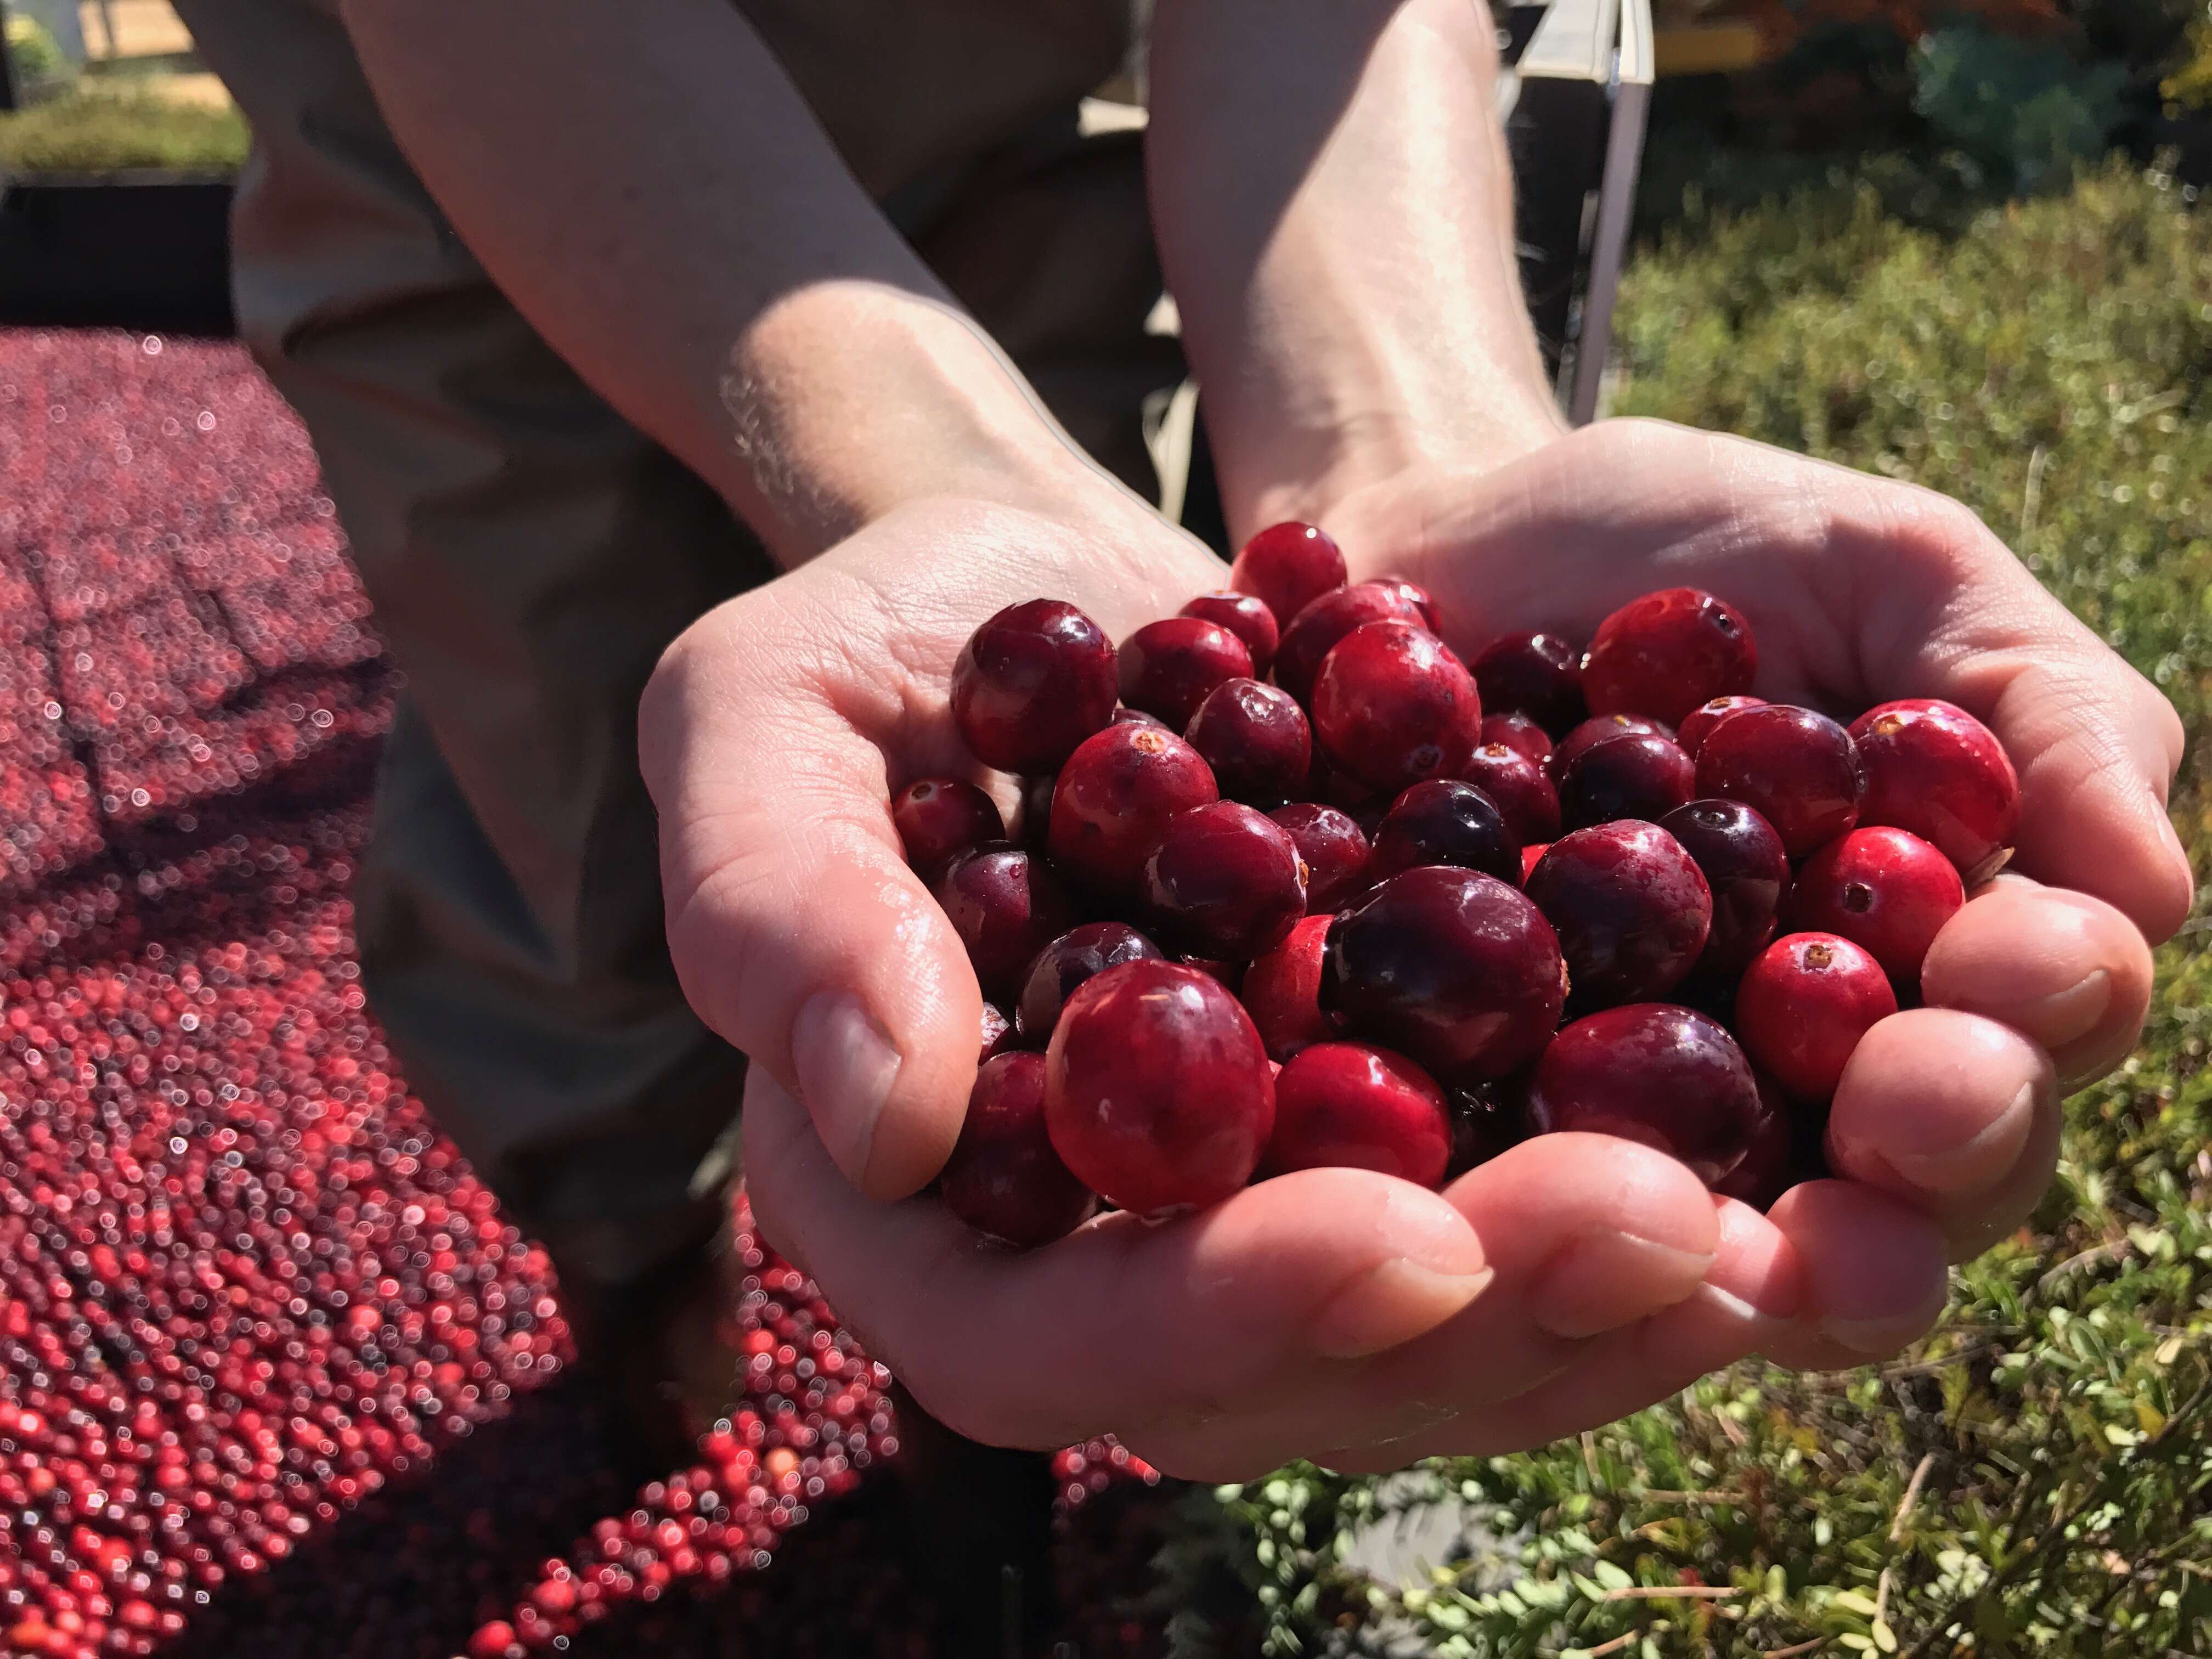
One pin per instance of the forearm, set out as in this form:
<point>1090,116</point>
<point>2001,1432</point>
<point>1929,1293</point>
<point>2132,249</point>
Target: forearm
<point>1334,206</point>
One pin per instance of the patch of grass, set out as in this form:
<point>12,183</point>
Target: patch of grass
<point>103,132</point>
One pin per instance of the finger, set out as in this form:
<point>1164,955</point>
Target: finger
<point>1871,1275</point>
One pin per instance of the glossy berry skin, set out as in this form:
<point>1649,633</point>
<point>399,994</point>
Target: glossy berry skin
<point>1393,707</point>
<point>1335,848</point>
<point>1444,822</point>
<point>1004,1179</point>
<point>1168,666</point>
<point>1706,715</point>
<point>1639,774</point>
<point>1667,652</point>
<point>1654,1074</point>
<point>1933,768</point>
<point>1313,633</point>
<point>1455,969</point>
<point>1746,872</point>
<point>1536,674</point>
<point>1886,890</point>
<point>1518,732</point>
<point>1115,798</point>
<point>1631,909</point>
<point>1226,882</point>
<point>1287,566</point>
<point>1282,991</point>
<point>1157,1091</point>
<point>1798,768</point>
<point>998,1032</point>
<point>936,818</point>
<point>1079,954</point>
<point>1006,906</point>
<point>1247,617</point>
<point>1346,1105</point>
<point>1523,793</point>
<point>1599,728</point>
<point>1256,739</point>
<point>1415,595</point>
<point>1764,1173</point>
<point>1802,1006</point>
<point>1031,683</point>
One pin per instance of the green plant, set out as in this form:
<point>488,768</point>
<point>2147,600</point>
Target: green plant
<point>2027,110</point>
<point>97,132</point>
<point>2189,85</point>
<point>32,50</point>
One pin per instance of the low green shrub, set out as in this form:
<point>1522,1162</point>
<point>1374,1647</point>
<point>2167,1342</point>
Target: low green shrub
<point>103,132</point>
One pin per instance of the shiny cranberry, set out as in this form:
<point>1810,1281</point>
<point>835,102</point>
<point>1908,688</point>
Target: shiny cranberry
<point>1802,1006</point>
<point>1933,768</point>
<point>1335,848</point>
<point>1168,666</point>
<point>1768,1158</point>
<point>1453,967</point>
<point>998,1032</point>
<point>1256,738</point>
<point>1345,1105</point>
<point>1519,734</point>
<point>1631,908</point>
<point>1416,596</point>
<point>1536,674</point>
<point>1654,1073</point>
<point>1886,890</point>
<point>1006,906</point>
<point>1114,800</point>
<point>1639,774</point>
<point>1444,822</point>
<point>1226,882</point>
<point>1313,633</point>
<point>1747,871</point>
<point>1797,768</point>
<point>1599,728</point>
<point>1393,706</point>
<point>1004,1179</point>
<point>1667,652</point>
<point>936,817</point>
<point>1031,683</point>
<point>1282,991</point>
<point>1157,1093</point>
<point>1076,956</point>
<point>1706,715</point>
<point>1519,786</point>
<point>492,1640</point>
<point>1286,567</point>
<point>1247,617</point>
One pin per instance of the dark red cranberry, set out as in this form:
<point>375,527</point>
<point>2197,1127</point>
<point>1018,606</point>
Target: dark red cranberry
<point>1706,715</point>
<point>1536,674</point>
<point>1168,666</point>
<point>1768,1158</point>
<point>1416,596</point>
<point>1077,955</point>
<point>1444,822</point>
<point>1256,738</point>
<point>1886,890</point>
<point>1631,909</point>
<point>1798,768</point>
<point>1345,1105</point>
<point>1226,882</point>
<point>1031,683</point>
<point>1036,809</point>
<point>1115,798</point>
<point>1654,1074</point>
<point>1004,1179</point>
<point>1126,715</point>
<point>1282,991</point>
<point>998,1032</point>
<point>1667,652</point>
<point>1453,967</point>
<point>1747,871</point>
<point>1313,633</point>
<point>1247,617</point>
<point>1157,1091</point>
<point>1639,774</point>
<point>1006,906</point>
<point>1335,848</point>
<point>1519,734</point>
<point>1519,786</point>
<point>1287,566</point>
<point>1393,707</point>
<point>1933,768</point>
<point>1599,728</point>
<point>1802,1006</point>
<point>936,817</point>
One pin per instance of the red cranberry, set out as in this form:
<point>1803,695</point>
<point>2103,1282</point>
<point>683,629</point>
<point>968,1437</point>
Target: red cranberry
<point>1798,768</point>
<point>1933,768</point>
<point>1115,798</point>
<point>1599,728</point>
<point>1453,967</point>
<point>1004,1179</point>
<point>1536,674</point>
<point>1245,616</point>
<point>1416,596</point>
<point>1226,882</point>
<point>1313,633</point>
<point>1519,734</point>
<point>1747,871</point>
<point>1639,774</point>
<point>1631,908</point>
<point>1157,1088</point>
<point>1654,1073</point>
<point>1287,566</point>
<point>1393,706</point>
<point>1706,715</point>
<point>1345,1105</point>
<point>1256,738</point>
<point>998,1032</point>
<point>492,1640</point>
<point>936,817</point>
<point>1886,890</point>
<point>1764,1174</point>
<point>1031,683</point>
<point>1282,991</point>
<point>1168,666</point>
<point>1076,956</point>
<point>1519,786</point>
<point>1444,822</point>
<point>1335,848</point>
<point>1006,905</point>
<point>1802,1006</point>
<point>1667,652</point>
<point>1531,856</point>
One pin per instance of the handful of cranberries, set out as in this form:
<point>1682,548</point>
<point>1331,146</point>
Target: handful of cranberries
<point>1339,919</point>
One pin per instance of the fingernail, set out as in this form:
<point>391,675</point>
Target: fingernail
<point>846,1064</point>
<point>1603,1281</point>
<point>1875,1338</point>
<point>2065,1016</point>
<point>1391,1303</point>
<point>1979,1162</point>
